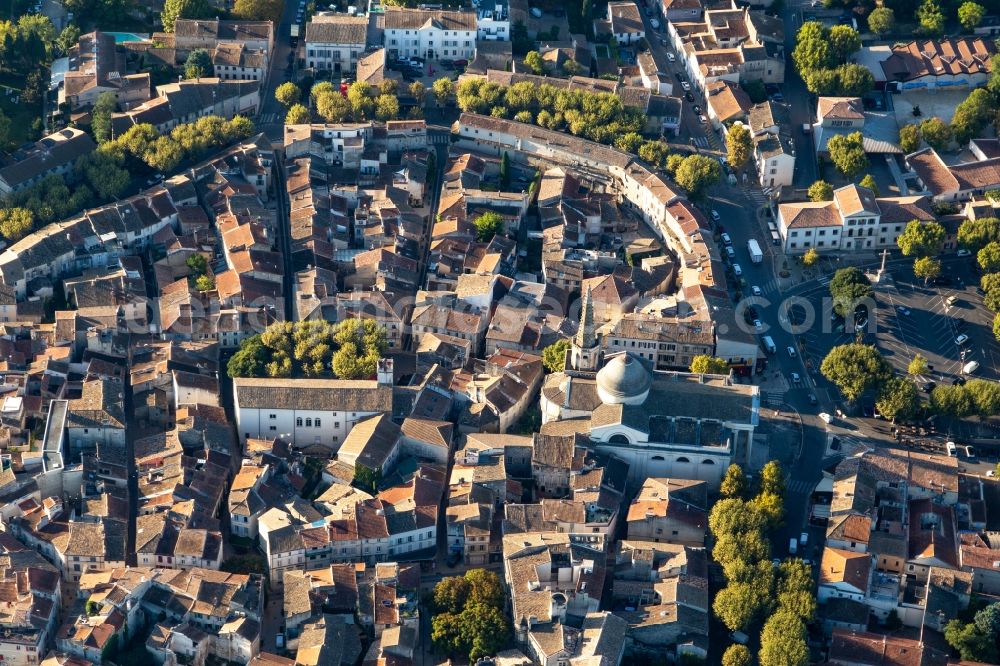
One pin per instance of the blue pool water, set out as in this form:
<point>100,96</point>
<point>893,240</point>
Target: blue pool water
<point>127,37</point>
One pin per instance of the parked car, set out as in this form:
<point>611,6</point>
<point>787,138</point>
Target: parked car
<point>655,23</point>
<point>671,57</point>
<point>825,418</point>
<point>702,119</point>
<point>685,85</point>
<point>715,215</point>
<point>726,240</point>
<point>791,352</point>
<point>961,339</point>
<point>696,109</point>
<point>902,309</point>
<point>796,378</point>
<point>755,290</point>
<point>963,253</point>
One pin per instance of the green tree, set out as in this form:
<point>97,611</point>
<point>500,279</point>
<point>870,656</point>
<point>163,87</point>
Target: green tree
<point>359,95</point>
<point>734,483</point>
<point>473,623</point>
<point>822,82</point>
<point>772,507</point>
<point>783,641</point>
<point>970,15</point>
<point>989,257</point>
<point>987,620</point>
<point>287,94</point>
<point>258,10</point>
<point>554,356</point>
<point>909,137</point>
<point>772,478</point>
<point>204,283</point>
<point>820,191</point>
<point>848,287</point>
<point>971,116</point>
<point>848,153</point>
<point>854,80</point>
<point>386,107</point>
<point>250,360</point>
<point>418,92</point>
<point>321,88</point>
<point>731,516</point>
<point>443,90</point>
<point>16,223</point>
<point>630,142</point>
<point>738,550</point>
<point>332,107</point>
<point>918,366</point>
<point>985,397</point>
<point>488,225</point>
<point>970,642</point>
<point>795,589</point>
<point>739,604</point>
<point>68,38</point>
<point>298,115</point>
<point>810,257</point>
<point>855,368</point>
<point>505,171</point>
<point>869,182</point>
<point>882,21</point>
<point>100,116</point>
<point>92,607</point>
<point>844,40</point>
<point>366,478</point>
<point>739,145</point>
<point>251,563</point>
<point>927,268</point>
<point>996,326</point>
<point>737,655</point>
<point>707,365</point>
<point>898,399</point>
<point>921,239</point>
<point>197,264</point>
<point>183,9</point>
<point>696,173</point>
<point>655,152</point>
<point>755,90</point>
<point>936,133</point>
<point>974,234</point>
<point>812,48</point>
<point>534,62</point>
<point>102,174</point>
<point>198,64</point>
<point>931,18</point>
<point>952,401</point>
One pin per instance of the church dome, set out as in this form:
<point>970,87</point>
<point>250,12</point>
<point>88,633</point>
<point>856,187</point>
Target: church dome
<point>624,380</point>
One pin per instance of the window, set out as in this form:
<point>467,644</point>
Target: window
<point>272,428</point>
<point>317,423</point>
<point>298,422</point>
<point>273,416</point>
<point>309,423</point>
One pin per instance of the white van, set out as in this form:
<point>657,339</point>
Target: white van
<point>951,449</point>
<point>737,271</point>
<point>769,344</point>
<point>970,367</point>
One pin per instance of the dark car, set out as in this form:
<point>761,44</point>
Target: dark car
<point>958,381</point>
<point>689,97</point>
<point>812,399</point>
<point>927,387</point>
<point>696,109</point>
<point>942,281</point>
<point>461,63</point>
<point>448,62</point>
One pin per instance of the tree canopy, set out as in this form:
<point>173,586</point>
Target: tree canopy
<point>554,356</point>
<point>909,137</point>
<point>470,619</point>
<point>298,115</point>
<point>707,365</point>
<point>16,223</point>
<point>696,173</point>
<point>931,18</point>
<point>974,234</point>
<point>898,399</point>
<point>734,483</point>
<point>882,21</point>
<point>927,268</point>
<point>488,225</point>
<point>287,94</point>
<point>739,145</point>
<point>348,350</point>
<point>183,9</point>
<point>198,64</point>
<point>848,287</point>
<point>970,15</point>
<point>848,153</point>
<point>936,133</point>
<point>921,239</point>
<point>855,368</point>
<point>820,191</point>
<point>258,10</point>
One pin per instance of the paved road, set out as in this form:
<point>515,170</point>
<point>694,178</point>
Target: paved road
<point>271,115</point>
<point>800,102</point>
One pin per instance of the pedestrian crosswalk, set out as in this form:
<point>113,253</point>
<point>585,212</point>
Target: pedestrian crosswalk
<point>800,487</point>
<point>772,398</point>
<point>269,118</point>
<point>756,196</point>
<point>713,141</point>
<point>700,141</point>
<point>439,139</point>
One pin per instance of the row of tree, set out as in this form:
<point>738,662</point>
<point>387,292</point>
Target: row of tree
<point>976,641</point>
<point>348,350</point>
<point>755,589</point>
<point>247,10</point>
<point>363,102</point>
<point>599,117</point>
<point>821,55</point>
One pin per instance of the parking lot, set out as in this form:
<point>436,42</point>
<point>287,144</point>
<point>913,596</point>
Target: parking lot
<point>911,318</point>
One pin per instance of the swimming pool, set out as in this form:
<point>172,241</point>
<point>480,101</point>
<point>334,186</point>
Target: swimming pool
<point>121,37</point>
